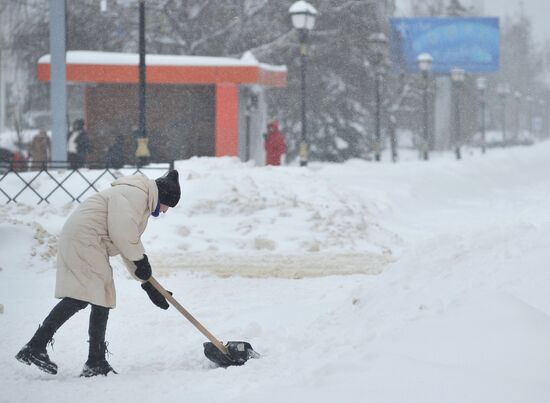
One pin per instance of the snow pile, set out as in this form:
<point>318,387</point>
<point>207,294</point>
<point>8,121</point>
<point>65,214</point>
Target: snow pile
<point>272,209</point>
<point>254,217</point>
<point>293,223</point>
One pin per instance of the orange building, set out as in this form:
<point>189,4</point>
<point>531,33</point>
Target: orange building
<point>195,105</point>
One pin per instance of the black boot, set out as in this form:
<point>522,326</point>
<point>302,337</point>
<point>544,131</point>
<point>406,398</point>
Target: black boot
<point>34,352</point>
<point>97,364</point>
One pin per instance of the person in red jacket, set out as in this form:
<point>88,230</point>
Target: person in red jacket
<point>275,146</point>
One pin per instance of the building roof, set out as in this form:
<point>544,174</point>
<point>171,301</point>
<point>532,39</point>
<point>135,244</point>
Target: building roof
<point>122,68</point>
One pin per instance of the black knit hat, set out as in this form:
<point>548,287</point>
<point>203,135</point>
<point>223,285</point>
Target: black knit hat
<point>169,188</point>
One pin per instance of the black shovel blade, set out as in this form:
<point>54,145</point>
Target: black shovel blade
<point>239,353</point>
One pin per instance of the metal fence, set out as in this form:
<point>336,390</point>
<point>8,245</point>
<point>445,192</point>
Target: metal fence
<point>57,182</point>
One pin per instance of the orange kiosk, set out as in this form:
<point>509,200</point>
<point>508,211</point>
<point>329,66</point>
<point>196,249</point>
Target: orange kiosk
<point>194,103</point>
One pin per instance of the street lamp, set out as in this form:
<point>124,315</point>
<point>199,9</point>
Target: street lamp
<point>142,151</point>
<point>543,119</point>
<point>457,75</point>
<point>378,44</point>
<point>251,104</point>
<point>517,115</point>
<point>303,16</point>
<point>424,61</point>
<point>529,101</point>
<point>503,90</point>
<point>481,83</point>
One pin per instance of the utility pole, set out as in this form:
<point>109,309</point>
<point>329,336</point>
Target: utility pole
<point>142,151</point>
<point>481,84</point>
<point>378,44</point>
<point>4,30</point>
<point>58,85</point>
<point>2,95</point>
<point>457,77</point>
<point>303,17</point>
<point>425,61</point>
<point>503,90</point>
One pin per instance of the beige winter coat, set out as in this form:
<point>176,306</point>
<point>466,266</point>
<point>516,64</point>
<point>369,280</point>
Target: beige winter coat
<point>109,223</point>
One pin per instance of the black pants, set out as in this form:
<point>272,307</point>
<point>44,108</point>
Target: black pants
<point>62,312</point>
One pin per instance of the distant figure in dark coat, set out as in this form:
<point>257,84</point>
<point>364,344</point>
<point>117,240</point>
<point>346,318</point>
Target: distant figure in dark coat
<point>115,154</point>
<point>5,155</point>
<point>78,144</point>
<point>275,146</point>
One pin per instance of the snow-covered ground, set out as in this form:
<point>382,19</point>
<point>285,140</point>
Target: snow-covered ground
<point>409,282</point>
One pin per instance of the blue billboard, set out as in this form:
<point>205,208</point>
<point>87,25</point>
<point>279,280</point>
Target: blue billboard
<point>469,43</point>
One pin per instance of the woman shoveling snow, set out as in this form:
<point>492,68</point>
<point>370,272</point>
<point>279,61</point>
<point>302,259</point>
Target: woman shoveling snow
<point>108,223</point>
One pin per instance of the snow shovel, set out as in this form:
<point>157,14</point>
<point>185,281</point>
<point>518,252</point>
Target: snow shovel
<point>233,353</point>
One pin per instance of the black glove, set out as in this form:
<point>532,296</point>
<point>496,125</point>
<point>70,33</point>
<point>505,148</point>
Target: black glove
<point>155,296</point>
<point>143,268</point>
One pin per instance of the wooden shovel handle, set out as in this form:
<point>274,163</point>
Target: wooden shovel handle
<point>189,317</point>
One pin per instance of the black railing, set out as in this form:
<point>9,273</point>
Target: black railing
<point>46,180</point>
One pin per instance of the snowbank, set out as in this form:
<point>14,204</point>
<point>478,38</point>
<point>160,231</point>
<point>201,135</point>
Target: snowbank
<point>289,222</point>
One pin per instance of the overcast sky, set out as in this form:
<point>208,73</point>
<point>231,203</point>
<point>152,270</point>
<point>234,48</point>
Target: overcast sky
<point>537,10</point>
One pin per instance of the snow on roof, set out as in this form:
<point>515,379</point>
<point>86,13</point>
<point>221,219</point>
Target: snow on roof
<point>114,58</point>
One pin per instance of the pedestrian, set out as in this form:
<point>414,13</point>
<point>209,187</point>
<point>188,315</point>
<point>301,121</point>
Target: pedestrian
<point>40,150</point>
<point>115,153</point>
<point>275,147</point>
<point>78,144</point>
<point>108,223</point>
<point>6,157</point>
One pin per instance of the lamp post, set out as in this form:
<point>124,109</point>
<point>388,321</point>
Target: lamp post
<point>457,75</point>
<point>503,90</point>
<point>529,125</point>
<point>142,151</point>
<point>424,61</point>
<point>251,104</point>
<point>517,115</point>
<point>481,83</point>
<point>303,16</point>
<point>378,44</point>
<point>543,119</point>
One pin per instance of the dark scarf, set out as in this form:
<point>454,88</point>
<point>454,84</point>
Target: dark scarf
<point>157,210</point>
